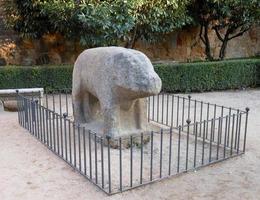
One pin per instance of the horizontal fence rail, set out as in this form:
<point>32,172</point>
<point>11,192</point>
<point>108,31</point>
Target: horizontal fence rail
<point>191,134</point>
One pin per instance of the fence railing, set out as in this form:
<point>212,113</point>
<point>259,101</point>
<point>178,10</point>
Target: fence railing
<point>192,134</point>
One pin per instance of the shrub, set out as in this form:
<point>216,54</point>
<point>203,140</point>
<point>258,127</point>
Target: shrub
<point>181,77</point>
<point>206,76</point>
<point>49,77</point>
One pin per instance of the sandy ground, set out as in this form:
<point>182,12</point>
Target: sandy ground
<point>29,171</point>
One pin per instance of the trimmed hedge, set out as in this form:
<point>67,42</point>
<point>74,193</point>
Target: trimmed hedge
<point>49,77</point>
<point>181,77</point>
<point>207,76</point>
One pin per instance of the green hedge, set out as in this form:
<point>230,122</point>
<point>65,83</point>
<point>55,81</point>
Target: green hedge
<point>49,77</point>
<point>206,76</point>
<point>182,77</point>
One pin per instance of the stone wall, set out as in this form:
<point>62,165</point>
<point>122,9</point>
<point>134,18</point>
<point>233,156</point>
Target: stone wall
<point>183,45</point>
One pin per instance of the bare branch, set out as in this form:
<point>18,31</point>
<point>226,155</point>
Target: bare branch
<point>238,34</point>
<point>202,39</point>
<point>218,34</point>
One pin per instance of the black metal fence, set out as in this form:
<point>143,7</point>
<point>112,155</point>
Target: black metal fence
<point>192,134</point>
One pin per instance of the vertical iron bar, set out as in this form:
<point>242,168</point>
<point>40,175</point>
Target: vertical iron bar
<point>203,142</point>
<point>195,113</point>
<point>120,164</point>
<point>102,162</point>
<point>74,145</point>
<point>222,112</point>
<point>84,153</point>
<point>225,136</point>
<point>158,101</point>
<point>151,160</point>
<point>50,128</point>
<point>141,167</point>
<point>182,120</point>
<point>170,152</point>
<point>66,97</point>
<point>201,113</point>
<point>195,147</point>
<point>162,106</point>
<point>219,132</point>
<point>238,136</point>
<point>58,133</point>
<point>53,131</point>
<point>189,97</point>
<point>215,108</point>
<point>109,167</point>
<point>210,144</point>
<point>79,147</point>
<point>65,136</point>
<point>228,133</point>
<point>179,148</point>
<point>61,135</point>
<point>207,121</point>
<point>96,163</point>
<point>149,105</point>
<point>236,129</point>
<point>232,135</point>
<point>161,151</point>
<point>172,110</point>
<point>167,109</point>
<point>131,161</point>
<point>70,150</point>
<point>90,154</point>
<point>47,127</point>
<point>178,105</point>
<point>187,144</point>
<point>153,107</point>
<point>244,147</point>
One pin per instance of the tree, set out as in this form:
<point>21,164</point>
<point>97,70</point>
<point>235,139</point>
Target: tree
<point>228,18</point>
<point>233,19</point>
<point>26,18</point>
<point>98,22</point>
<point>203,13</point>
<point>154,18</point>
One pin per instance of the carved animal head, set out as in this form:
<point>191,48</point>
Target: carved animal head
<point>135,75</point>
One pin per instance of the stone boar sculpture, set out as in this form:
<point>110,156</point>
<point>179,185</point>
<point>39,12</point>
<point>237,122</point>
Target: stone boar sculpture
<point>109,86</point>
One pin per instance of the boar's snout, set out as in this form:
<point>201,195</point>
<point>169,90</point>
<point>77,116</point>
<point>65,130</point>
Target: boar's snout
<point>155,84</point>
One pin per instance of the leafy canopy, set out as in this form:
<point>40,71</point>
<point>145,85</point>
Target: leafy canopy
<point>97,22</point>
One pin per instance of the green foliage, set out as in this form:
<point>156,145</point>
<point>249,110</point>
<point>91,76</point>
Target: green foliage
<point>228,18</point>
<point>206,76</point>
<point>50,77</point>
<point>153,18</point>
<point>183,77</point>
<point>97,22</point>
<point>26,18</point>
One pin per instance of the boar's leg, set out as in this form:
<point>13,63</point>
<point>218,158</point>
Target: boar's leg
<point>111,120</point>
<point>78,110</point>
<point>87,107</point>
<point>141,114</point>
<point>78,104</point>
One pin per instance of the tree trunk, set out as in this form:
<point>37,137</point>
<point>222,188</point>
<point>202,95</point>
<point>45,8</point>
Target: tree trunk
<point>207,49</point>
<point>222,52</point>
<point>205,39</point>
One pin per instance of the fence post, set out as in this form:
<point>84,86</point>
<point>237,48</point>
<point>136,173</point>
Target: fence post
<point>244,147</point>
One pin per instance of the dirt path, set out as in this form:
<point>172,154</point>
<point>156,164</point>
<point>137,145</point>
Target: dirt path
<point>29,171</point>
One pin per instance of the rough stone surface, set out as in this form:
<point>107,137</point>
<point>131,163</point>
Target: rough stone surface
<point>10,105</point>
<point>109,84</point>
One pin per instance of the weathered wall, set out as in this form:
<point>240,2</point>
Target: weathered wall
<point>183,45</point>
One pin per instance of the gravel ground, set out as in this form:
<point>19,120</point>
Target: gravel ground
<point>29,171</point>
